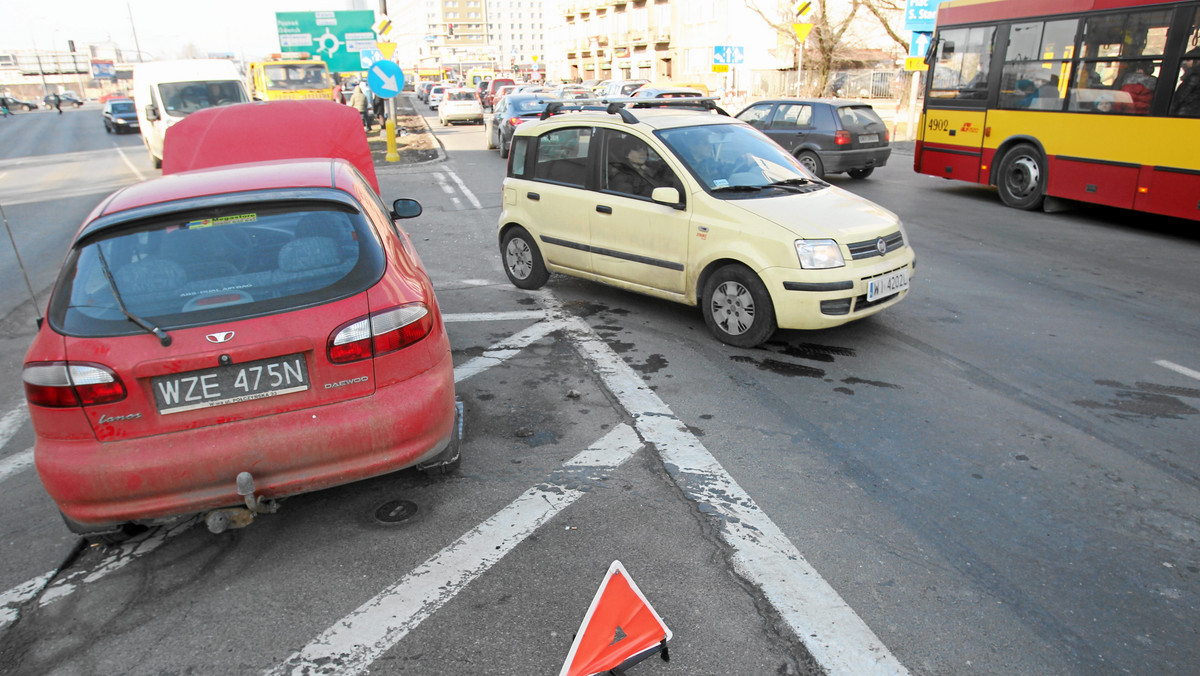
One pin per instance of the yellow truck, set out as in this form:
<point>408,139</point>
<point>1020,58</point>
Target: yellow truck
<point>289,76</point>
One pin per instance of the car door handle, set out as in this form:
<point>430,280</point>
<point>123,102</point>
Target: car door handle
<point>603,209</point>
<point>533,196</point>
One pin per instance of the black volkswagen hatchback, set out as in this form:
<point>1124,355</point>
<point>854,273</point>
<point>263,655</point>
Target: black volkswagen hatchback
<point>828,136</point>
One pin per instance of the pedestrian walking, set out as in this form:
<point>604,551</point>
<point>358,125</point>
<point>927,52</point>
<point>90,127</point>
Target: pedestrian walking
<point>58,103</point>
<point>379,107</point>
<point>4,112</point>
<point>361,100</point>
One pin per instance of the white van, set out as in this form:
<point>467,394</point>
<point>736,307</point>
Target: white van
<point>166,91</point>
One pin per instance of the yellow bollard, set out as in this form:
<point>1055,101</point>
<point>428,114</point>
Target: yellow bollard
<point>392,155</point>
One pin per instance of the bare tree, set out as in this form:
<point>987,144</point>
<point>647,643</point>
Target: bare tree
<point>890,14</point>
<point>831,21</point>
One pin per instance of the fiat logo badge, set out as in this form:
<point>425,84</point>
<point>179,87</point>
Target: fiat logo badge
<point>222,337</point>
<point>881,245</point>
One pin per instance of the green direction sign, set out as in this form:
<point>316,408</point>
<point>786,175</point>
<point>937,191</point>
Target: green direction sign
<point>334,37</point>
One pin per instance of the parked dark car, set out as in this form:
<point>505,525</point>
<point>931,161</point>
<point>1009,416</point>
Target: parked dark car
<point>119,116</point>
<point>828,136</point>
<point>67,98</point>
<point>13,103</point>
<point>508,113</point>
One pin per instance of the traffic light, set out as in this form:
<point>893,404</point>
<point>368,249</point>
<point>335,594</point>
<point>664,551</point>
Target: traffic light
<point>450,29</point>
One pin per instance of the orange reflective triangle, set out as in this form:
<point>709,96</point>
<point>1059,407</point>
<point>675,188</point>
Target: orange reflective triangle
<point>619,625</point>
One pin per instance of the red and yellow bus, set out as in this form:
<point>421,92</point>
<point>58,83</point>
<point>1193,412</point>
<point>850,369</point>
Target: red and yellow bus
<point>1089,100</point>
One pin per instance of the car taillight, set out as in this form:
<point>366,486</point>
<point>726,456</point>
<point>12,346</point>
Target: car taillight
<point>885,136</point>
<point>59,384</point>
<point>514,121</point>
<point>841,138</point>
<point>379,333</point>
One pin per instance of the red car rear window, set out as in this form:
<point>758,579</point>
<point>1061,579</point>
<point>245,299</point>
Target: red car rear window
<point>200,267</point>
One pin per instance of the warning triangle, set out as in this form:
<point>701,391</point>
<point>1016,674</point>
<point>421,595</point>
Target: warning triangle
<point>619,626</point>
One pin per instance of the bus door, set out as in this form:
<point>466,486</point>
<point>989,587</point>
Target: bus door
<point>950,140</point>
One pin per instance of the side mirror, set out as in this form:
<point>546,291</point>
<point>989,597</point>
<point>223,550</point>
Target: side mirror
<point>406,208</point>
<point>667,196</point>
<point>152,112</point>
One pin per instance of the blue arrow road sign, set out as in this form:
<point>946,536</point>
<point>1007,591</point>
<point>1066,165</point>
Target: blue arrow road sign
<point>385,79</point>
<point>728,54</point>
<point>919,44</point>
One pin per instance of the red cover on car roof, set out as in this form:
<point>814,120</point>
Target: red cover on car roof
<point>274,130</point>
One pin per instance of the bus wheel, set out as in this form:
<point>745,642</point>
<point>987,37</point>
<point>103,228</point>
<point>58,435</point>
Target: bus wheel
<point>1022,178</point>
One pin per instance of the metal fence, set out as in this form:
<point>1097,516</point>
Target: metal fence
<point>861,84</point>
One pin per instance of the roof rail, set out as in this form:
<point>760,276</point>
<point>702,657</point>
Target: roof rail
<point>617,105</point>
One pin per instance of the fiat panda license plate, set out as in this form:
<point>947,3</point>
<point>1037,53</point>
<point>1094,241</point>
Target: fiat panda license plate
<point>887,284</point>
<point>230,384</point>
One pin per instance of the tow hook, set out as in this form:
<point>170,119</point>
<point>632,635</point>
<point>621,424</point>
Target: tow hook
<point>221,520</point>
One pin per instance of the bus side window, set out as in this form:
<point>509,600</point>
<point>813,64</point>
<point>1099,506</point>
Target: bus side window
<point>1121,57</point>
<point>1037,64</point>
<point>1185,100</point>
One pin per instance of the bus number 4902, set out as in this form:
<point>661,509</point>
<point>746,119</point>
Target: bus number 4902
<point>939,125</point>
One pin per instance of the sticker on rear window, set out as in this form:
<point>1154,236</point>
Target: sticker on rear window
<point>223,220</point>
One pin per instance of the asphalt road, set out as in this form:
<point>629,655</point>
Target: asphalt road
<point>1000,475</point>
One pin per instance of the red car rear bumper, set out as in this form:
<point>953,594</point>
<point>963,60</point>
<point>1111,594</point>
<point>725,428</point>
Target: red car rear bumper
<point>99,485</point>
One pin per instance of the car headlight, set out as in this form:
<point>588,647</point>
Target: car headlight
<point>819,254</point>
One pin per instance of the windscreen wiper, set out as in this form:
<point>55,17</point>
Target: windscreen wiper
<point>737,188</point>
<point>796,181</point>
<point>112,284</point>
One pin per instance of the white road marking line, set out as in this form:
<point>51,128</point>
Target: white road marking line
<point>135,170</point>
<point>465,190</point>
<point>1178,369</point>
<point>504,349</point>
<point>16,463</point>
<point>116,559</point>
<point>353,643</point>
<point>446,187</point>
<point>492,316</point>
<point>13,598</point>
<point>835,635</point>
<point>12,421</point>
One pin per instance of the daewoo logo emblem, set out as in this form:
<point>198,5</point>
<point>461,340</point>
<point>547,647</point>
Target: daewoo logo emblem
<point>222,337</point>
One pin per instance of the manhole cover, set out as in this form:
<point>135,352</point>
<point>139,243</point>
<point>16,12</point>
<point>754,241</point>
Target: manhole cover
<point>395,511</point>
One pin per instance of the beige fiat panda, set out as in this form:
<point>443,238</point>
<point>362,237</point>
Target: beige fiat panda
<point>681,203</point>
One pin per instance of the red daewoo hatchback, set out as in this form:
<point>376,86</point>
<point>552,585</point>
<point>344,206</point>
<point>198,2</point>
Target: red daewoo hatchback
<point>225,336</point>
